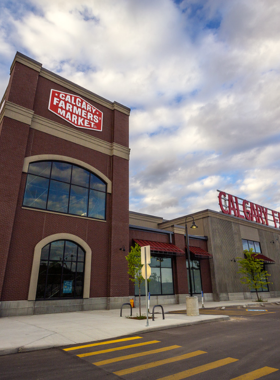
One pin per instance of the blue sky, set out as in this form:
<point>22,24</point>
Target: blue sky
<point>201,79</point>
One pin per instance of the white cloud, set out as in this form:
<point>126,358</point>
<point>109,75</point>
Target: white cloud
<point>202,78</point>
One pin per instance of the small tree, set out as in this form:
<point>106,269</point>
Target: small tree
<point>134,269</point>
<point>253,271</point>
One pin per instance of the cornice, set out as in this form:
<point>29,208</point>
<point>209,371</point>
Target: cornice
<point>69,134</point>
<point>39,123</point>
<point>144,217</point>
<point>16,112</point>
<point>219,215</point>
<point>26,61</point>
<point>120,151</point>
<point>119,107</point>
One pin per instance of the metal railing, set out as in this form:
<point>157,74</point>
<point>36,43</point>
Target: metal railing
<point>127,303</point>
<point>153,312</point>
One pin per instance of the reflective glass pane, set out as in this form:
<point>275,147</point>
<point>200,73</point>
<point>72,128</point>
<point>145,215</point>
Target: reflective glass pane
<point>155,261</point>
<point>36,192</point>
<point>45,252</point>
<point>96,207</point>
<point>142,289</point>
<point>245,245</point>
<point>42,168</point>
<point>43,268</point>
<point>55,267</point>
<point>53,286</point>
<point>257,247</point>
<point>57,248</point>
<point>166,262</point>
<point>70,251</point>
<point>155,283</point>
<point>167,281</point>
<point>61,171</point>
<point>58,196</point>
<point>41,286</point>
<point>69,267</point>
<point>251,245</point>
<point>195,264</point>
<point>80,267</point>
<point>81,254</point>
<point>80,176</point>
<point>96,183</point>
<point>78,201</point>
<point>196,281</point>
<point>79,285</point>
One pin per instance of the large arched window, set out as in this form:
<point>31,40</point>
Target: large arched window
<point>61,272</point>
<point>66,188</point>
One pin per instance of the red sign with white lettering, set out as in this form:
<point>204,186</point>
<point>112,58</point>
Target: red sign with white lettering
<point>75,110</point>
<point>243,209</point>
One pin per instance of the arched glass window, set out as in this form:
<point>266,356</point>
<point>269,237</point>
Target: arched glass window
<point>66,188</point>
<point>61,273</point>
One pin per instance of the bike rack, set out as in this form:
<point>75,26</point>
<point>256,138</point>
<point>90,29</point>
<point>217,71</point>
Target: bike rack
<point>123,306</point>
<point>154,311</point>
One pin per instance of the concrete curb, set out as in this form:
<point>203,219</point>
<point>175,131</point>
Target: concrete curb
<point>222,318</point>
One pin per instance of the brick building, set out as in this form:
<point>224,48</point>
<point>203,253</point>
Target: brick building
<point>65,225</point>
<point>64,192</point>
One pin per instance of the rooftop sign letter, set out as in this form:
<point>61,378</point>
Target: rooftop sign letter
<point>241,208</point>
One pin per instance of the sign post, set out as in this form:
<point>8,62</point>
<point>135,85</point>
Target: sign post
<point>202,300</point>
<point>146,259</point>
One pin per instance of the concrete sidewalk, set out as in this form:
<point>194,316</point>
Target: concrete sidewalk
<point>36,332</point>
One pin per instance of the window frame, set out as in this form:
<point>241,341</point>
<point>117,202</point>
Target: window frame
<point>154,255</point>
<point>192,259</point>
<point>70,184</point>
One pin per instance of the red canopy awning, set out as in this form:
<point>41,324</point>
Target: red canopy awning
<point>159,247</point>
<point>200,252</point>
<point>264,258</point>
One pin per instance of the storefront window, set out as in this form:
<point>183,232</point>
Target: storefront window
<point>61,273</point>
<point>195,276</point>
<point>161,279</point>
<point>66,188</point>
<point>255,245</point>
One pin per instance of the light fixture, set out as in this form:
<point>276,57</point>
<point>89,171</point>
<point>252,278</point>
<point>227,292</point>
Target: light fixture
<point>193,224</point>
<point>122,248</point>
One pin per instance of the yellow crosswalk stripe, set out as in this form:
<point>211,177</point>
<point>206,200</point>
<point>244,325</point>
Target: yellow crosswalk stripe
<point>132,356</point>
<point>158,363</point>
<point>117,349</point>
<point>200,369</point>
<point>101,343</point>
<point>256,374</point>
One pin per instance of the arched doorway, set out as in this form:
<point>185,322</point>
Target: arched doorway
<point>61,271</point>
<point>44,247</point>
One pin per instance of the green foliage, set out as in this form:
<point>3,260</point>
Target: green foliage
<point>252,269</point>
<point>134,265</point>
<point>134,269</point>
